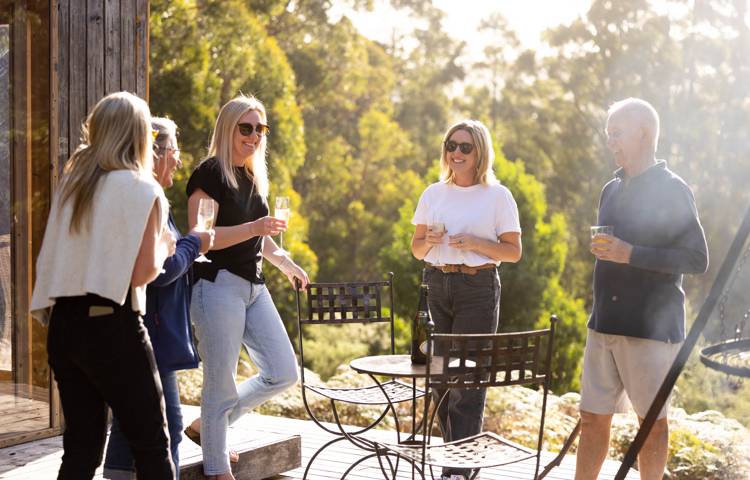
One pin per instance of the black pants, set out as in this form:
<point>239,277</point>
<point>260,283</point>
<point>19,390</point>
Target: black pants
<point>462,303</point>
<point>106,359</point>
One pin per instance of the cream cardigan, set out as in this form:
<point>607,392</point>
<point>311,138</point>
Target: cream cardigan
<point>99,259</point>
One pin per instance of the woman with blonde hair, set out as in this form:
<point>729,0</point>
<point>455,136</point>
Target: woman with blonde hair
<point>231,306</point>
<point>466,224</point>
<point>106,238</point>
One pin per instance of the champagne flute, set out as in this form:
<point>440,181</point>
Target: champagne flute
<point>206,214</point>
<point>282,212</point>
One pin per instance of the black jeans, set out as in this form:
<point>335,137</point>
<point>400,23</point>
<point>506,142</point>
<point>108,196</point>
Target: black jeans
<point>462,303</point>
<point>106,359</point>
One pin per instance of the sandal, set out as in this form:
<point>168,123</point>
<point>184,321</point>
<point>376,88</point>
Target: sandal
<point>195,436</point>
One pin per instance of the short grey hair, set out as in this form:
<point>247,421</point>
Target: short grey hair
<point>641,111</point>
<point>167,129</point>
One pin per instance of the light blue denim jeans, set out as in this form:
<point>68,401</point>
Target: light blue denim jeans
<point>228,313</point>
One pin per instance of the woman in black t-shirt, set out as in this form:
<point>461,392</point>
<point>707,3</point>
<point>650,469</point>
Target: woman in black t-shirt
<point>231,306</point>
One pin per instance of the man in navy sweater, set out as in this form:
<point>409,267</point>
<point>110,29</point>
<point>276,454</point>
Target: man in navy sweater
<point>637,323</point>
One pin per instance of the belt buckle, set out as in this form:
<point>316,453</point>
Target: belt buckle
<point>469,270</point>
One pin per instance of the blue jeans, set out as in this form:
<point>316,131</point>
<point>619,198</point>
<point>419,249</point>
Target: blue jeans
<point>118,462</point>
<point>229,313</point>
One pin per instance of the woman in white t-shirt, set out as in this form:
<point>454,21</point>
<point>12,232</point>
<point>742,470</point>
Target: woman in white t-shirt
<point>466,224</point>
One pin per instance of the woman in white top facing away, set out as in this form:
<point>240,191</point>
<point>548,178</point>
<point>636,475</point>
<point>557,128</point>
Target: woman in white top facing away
<point>106,238</point>
<point>466,224</point>
<point>231,306</point>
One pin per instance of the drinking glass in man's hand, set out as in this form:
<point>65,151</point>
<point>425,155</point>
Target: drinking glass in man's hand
<point>602,230</point>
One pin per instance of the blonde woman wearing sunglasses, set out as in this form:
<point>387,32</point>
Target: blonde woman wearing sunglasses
<point>231,306</point>
<point>466,225</point>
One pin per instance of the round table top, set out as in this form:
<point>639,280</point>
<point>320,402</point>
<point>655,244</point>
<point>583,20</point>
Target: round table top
<point>396,366</point>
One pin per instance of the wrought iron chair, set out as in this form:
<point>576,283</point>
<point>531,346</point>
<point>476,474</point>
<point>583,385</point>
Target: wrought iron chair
<point>332,304</point>
<point>477,361</point>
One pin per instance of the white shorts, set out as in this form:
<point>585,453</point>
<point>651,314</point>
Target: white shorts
<point>618,368</point>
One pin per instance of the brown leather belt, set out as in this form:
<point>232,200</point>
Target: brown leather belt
<point>463,268</point>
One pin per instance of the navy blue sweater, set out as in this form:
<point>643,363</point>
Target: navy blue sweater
<point>167,307</point>
<point>655,212</point>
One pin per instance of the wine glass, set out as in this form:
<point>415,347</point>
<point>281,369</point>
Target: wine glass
<point>436,226</point>
<point>206,213</point>
<point>282,212</point>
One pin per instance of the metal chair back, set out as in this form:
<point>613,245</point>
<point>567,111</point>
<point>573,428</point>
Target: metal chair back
<point>471,361</point>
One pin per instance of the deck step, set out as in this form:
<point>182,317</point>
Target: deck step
<point>262,457</point>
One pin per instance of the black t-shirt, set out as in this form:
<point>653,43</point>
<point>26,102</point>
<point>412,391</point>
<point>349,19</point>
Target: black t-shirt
<point>236,206</point>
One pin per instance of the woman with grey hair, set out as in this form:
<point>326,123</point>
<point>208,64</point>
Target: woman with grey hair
<point>466,224</point>
<point>231,306</point>
<point>167,313</point>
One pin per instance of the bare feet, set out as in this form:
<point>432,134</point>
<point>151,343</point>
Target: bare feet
<point>234,457</point>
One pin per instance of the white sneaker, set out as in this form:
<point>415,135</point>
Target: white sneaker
<point>457,477</point>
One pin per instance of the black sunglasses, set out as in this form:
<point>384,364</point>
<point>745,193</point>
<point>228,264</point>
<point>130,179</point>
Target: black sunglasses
<point>465,147</point>
<point>246,129</point>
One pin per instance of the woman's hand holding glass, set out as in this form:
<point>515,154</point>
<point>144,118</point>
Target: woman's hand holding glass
<point>206,238</point>
<point>435,233</point>
<point>267,227</point>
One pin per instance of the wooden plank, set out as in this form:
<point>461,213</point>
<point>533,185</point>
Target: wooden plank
<point>21,193</point>
<point>141,48</point>
<point>63,82</point>
<point>127,45</point>
<point>77,72</point>
<point>94,52</point>
<point>111,46</point>
<point>54,117</point>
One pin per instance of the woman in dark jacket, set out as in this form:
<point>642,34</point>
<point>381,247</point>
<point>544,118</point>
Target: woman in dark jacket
<point>167,313</point>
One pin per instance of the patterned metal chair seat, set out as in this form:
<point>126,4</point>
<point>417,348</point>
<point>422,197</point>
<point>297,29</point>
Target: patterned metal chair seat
<point>372,395</point>
<point>486,449</point>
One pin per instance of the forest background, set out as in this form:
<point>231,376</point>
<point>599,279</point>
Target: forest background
<point>356,128</point>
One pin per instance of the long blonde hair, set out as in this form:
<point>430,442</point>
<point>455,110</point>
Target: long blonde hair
<point>480,135</point>
<point>222,143</point>
<point>116,136</point>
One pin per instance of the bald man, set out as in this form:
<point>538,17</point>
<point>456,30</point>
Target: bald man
<point>637,323</point>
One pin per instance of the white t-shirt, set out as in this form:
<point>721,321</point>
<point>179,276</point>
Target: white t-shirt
<point>484,211</point>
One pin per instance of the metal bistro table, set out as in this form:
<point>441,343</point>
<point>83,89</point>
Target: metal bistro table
<point>399,366</point>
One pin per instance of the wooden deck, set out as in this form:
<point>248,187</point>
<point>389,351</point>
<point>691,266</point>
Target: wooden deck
<point>41,459</point>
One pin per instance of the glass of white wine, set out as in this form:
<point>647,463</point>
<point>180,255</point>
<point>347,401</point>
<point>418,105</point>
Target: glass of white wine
<point>282,212</point>
<point>206,216</point>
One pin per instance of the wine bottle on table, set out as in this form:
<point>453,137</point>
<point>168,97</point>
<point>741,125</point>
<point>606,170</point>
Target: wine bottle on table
<point>419,328</point>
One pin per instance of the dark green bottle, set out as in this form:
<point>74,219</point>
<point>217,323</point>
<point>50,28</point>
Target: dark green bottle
<point>419,328</point>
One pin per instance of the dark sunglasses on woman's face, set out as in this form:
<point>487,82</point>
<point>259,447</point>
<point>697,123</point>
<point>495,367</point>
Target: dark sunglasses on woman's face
<point>246,129</point>
<point>465,147</point>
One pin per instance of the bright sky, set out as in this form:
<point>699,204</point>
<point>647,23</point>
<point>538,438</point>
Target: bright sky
<point>527,17</point>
